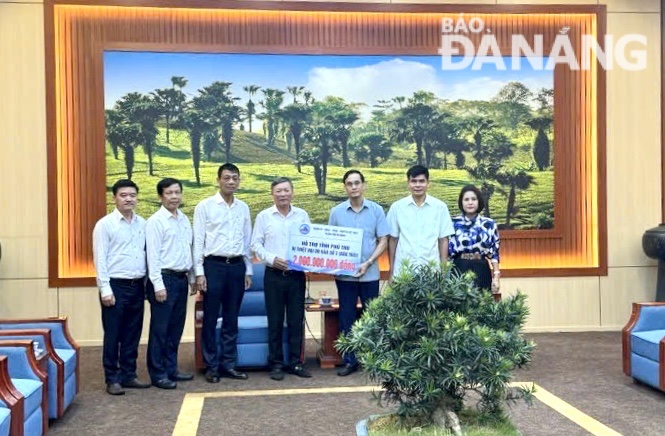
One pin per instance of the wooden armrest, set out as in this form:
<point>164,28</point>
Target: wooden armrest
<point>12,398</point>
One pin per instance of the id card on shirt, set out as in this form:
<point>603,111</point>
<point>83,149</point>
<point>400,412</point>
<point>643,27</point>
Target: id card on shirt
<point>325,249</point>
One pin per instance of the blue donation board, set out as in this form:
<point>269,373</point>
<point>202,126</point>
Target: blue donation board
<point>325,249</point>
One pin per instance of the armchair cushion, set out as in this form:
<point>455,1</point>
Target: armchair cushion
<point>5,421</point>
<point>32,394</point>
<point>10,399</point>
<point>252,342</point>
<point>69,358</point>
<point>643,344</point>
<point>647,343</point>
<point>31,381</point>
<point>251,329</point>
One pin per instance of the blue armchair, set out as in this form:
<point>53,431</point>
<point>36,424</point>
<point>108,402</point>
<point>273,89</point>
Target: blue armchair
<point>30,381</point>
<point>65,348</point>
<point>11,403</point>
<point>60,394</point>
<point>252,341</point>
<point>643,343</point>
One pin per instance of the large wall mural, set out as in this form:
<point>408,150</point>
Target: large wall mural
<point>313,117</point>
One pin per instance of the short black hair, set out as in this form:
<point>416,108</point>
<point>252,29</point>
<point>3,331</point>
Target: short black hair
<point>416,171</point>
<point>124,183</point>
<point>348,173</point>
<point>165,183</point>
<point>475,190</point>
<point>228,167</point>
<point>279,180</point>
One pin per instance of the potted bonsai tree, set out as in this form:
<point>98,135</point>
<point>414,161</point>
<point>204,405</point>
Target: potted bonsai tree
<point>433,338</point>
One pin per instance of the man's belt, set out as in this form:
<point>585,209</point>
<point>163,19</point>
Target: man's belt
<point>171,272</point>
<point>131,282</point>
<point>470,256</point>
<point>234,259</point>
<point>286,273</point>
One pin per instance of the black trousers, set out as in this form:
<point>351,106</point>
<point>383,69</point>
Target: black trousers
<point>167,321</point>
<point>284,290</point>
<point>123,323</point>
<point>349,292</point>
<point>226,287</point>
<point>480,267</point>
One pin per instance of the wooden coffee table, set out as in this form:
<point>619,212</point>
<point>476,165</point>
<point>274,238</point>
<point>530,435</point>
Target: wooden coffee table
<point>327,356</point>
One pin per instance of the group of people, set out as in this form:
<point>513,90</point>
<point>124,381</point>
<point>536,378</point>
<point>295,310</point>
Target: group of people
<point>214,257</point>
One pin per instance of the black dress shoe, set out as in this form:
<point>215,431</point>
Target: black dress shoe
<point>235,375</point>
<point>182,376</point>
<point>164,384</point>
<point>277,374</point>
<point>299,370</point>
<point>212,377</point>
<point>135,384</point>
<point>114,389</point>
<point>347,369</point>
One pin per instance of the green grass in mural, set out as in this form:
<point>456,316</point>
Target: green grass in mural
<point>260,164</point>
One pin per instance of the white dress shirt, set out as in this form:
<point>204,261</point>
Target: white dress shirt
<point>221,229</point>
<point>271,232</point>
<point>118,248</point>
<point>168,244</point>
<point>419,229</point>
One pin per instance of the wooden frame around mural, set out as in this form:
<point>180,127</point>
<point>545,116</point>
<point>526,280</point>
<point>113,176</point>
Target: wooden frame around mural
<point>77,33</point>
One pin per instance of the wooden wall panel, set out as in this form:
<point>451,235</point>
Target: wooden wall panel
<point>77,36</point>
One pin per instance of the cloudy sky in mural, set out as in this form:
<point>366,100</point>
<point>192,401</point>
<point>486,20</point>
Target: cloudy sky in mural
<point>366,79</point>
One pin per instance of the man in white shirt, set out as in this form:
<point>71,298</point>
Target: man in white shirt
<point>223,268</point>
<point>169,248</point>
<point>419,225</point>
<point>118,242</point>
<point>284,288</point>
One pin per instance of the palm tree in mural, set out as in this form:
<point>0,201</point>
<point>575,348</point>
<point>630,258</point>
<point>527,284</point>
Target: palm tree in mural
<point>123,134</point>
<point>296,117</point>
<point>222,111</point>
<point>307,96</point>
<point>399,100</point>
<point>250,106</point>
<point>295,91</point>
<point>196,124</point>
<point>342,115</point>
<point>444,136</point>
<point>272,102</point>
<point>211,143</point>
<point>142,110</point>
<point>372,147</point>
<point>514,179</point>
<point>112,118</point>
<point>325,135</point>
<point>489,148</point>
<point>171,102</point>
<point>413,121</point>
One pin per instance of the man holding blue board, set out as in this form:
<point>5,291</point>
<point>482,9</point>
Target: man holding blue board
<point>358,212</point>
<point>284,287</point>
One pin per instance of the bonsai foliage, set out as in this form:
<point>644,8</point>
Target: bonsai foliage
<point>433,337</point>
